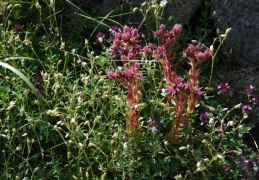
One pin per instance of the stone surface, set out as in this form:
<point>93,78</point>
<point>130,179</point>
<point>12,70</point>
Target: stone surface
<point>243,17</point>
<point>181,9</point>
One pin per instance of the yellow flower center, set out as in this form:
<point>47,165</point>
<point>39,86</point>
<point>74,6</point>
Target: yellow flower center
<point>132,40</point>
<point>195,88</point>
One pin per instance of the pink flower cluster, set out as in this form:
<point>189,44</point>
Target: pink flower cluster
<point>194,51</point>
<point>177,85</point>
<point>254,100</point>
<point>129,73</point>
<point>223,87</point>
<point>125,44</point>
<point>164,52</point>
<point>196,57</point>
<point>167,40</point>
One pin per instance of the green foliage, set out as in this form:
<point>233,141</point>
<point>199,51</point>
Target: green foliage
<point>81,134</point>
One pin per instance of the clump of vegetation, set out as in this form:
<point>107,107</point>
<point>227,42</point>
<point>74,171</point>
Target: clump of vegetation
<point>116,103</point>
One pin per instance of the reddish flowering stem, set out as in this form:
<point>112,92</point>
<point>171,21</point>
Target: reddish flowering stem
<point>169,71</point>
<point>186,95</point>
<point>132,85</point>
<point>180,119</point>
<point>125,46</point>
<point>132,112</point>
<point>193,74</point>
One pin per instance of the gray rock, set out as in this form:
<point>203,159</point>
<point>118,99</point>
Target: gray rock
<point>243,17</point>
<point>181,10</point>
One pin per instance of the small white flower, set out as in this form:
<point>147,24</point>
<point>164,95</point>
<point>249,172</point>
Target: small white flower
<point>163,3</point>
<point>80,145</point>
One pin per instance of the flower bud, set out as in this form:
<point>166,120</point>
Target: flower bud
<point>194,41</point>
<point>204,141</point>
<point>238,106</point>
<point>211,121</point>
<point>69,154</point>
<point>135,9</point>
<point>228,30</point>
<point>230,123</point>
<point>9,7</point>
<point>37,5</point>
<point>211,48</point>
<point>87,174</point>
<point>177,29</point>
<point>223,35</point>
<point>163,3</point>
<point>143,4</point>
<point>182,148</point>
<point>220,156</point>
<point>36,169</point>
<point>237,152</point>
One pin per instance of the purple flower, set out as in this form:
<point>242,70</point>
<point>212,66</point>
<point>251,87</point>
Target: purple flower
<point>153,121</point>
<point>18,28</point>
<point>204,116</point>
<point>247,109</point>
<point>113,30</point>
<point>154,129</point>
<point>248,164</point>
<point>100,38</point>
<point>250,89</point>
<point>255,100</point>
<point>174,85</point>
<point>195,90</point>
<point>223,87</point>
<point>39,83</point>
<point>154,124</point>
<point>221,128</point>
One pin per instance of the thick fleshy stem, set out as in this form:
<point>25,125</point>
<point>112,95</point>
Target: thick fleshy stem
<point>195,57</point>
<point>130,79</point>
<point>132,112</point>
<point>180,119</point>
<point>165,51</point>
<point>125,46</point>
<point>169,71</point>
<point>186,94</point>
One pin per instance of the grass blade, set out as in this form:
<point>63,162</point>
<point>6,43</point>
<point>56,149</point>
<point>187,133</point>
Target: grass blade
<point>27,81</point>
